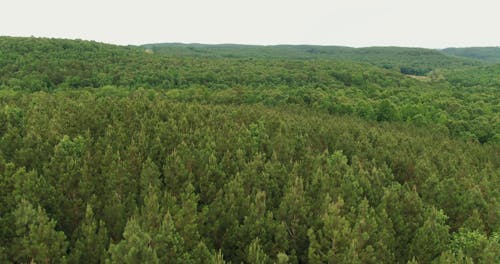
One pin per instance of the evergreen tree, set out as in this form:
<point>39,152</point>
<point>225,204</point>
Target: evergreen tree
<point>114,215</point>
<point>64,173</point>
<point>92,240</point>
<point>256,254</point>
<point>294,212</point>
<point>151,212</point>
<point>36,238</point>
<point>134,248</point>
<point>217,259</point>
<point>405,210</point>
<point>448,257</point>
<point>150,180</point>
<point>34,189</point>
<point>331,243</point>
<point>201,254</point>
<point>186,218</point>
<point>365,233</point>
<point>229,208</point>
<point>431,238</point>
<point>168,243</point>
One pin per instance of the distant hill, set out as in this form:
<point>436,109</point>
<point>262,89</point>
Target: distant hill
<point>413,61</point>
<point>486,54</point>
<point>47,64</point>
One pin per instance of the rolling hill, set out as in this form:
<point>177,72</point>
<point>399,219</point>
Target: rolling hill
<point>414,61</point>
<point>485,54</point>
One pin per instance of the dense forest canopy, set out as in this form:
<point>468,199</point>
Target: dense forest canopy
<point>246,154</point>
<point>415,61</point>
<point>338,87</point>
<point>486,54</point>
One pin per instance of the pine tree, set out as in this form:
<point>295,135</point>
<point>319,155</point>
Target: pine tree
<point>294,212</point>
<point>151,211</point>
<point>474,222</point>
<point>134,248</point>
<point>227,212</point>
<point>261,223</point>
<point>431,239</point>
<point>34,189</point>
<point>176,170</point>
<point>114,215</point>
<point>365,231</point>
<point>168,243</point>
<point>412,261</point>
<point>92,240</point>
<point>405,209</point>
<point>36,238</point>
<point>201,254</point>
<point>385,245</point>
<point>150,179</point>
<point>186,218</point>
<point>448,257</point>
<point>217,258</point>
<point>256,254</point>
<point>332,242</point>
<point>64,172</point>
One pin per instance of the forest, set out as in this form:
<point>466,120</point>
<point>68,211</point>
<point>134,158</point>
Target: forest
<point>191,153</point>
<point>485,54</point>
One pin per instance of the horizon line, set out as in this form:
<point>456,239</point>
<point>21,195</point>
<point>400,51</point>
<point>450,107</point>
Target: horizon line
<point>249,44</point>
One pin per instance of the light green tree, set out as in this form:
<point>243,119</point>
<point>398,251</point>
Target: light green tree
<point>255,253</point>
<point>37,240</point>
<point>134,248</point>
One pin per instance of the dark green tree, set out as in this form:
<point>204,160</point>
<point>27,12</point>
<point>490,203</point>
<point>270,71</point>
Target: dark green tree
<point>431,238</point>
<point>92,240</point>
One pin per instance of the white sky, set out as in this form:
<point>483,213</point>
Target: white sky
<point>418,23</point>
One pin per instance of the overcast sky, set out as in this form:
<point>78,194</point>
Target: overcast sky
<point>358,23</point>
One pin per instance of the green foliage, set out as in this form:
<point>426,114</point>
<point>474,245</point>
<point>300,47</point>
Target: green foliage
<point>92,240</point>
<point>264,160</point>
<point>486,54</point>
<point>36,239</point>
<point>431,238</point>
<point>337,80</point>
<point>255,253</point>
<point>331,243</point>
<point>448,257</point>
<point>169,243</point>
<point>3,255</point>
<point>135,246</point>
<point>387,111</point>
<point>234,174</point>
<point>414,61</point>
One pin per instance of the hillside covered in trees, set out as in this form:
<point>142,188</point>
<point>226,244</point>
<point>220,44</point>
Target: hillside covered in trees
<point>415,61</point>
<point>486,54</point>
<point>146,154</point>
